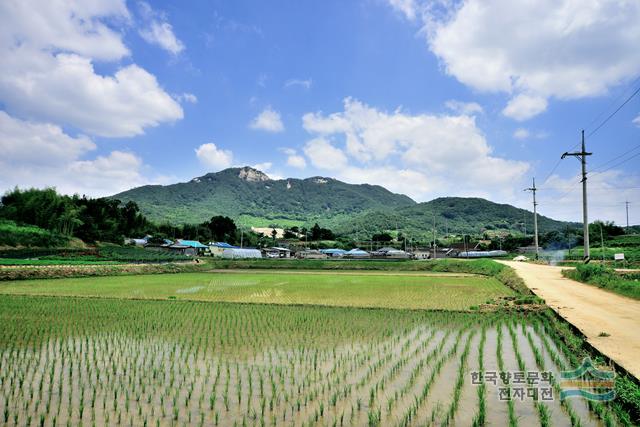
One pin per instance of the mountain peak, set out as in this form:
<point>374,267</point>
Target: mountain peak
<point>250,174</point>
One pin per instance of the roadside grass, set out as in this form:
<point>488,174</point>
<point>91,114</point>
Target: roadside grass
<point>626,284</point>
<point>382,290</point>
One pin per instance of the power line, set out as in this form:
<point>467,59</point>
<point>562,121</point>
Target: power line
<point>617,164</point>
<point>615,112</point>
<point>616,158</point>
<point>614,101</point>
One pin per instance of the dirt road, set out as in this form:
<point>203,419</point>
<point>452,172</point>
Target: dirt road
<point>590,309</point>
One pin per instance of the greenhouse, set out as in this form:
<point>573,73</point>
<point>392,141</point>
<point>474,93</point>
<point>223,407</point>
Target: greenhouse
<point>237,253</point>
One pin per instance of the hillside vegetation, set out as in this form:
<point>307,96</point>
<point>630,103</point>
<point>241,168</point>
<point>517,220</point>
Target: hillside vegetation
<point>253,199</point>
<point>453,215</point>
<point>246,192</point>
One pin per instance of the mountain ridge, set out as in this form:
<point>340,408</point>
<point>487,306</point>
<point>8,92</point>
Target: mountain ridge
<point>251,197</point>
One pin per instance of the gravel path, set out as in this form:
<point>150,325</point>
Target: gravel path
<point>590,309</point>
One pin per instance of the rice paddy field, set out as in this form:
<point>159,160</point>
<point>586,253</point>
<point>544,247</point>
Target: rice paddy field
<point>158,361</point>
<point>352,289</point>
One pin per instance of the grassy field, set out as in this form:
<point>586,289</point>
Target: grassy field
<point>626,284</point>
<point>121,362</point>
<point>178,349</point>
<point>353,289</point>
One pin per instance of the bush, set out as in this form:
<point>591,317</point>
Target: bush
<point>588,272</point>
<point>12,234</point>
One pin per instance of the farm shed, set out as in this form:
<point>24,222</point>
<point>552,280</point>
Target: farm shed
<point>277,252</point>
<point>311,254</point>
<point>240,253</point>
<point>181,249</point>
<point>388,252</point>
<point>199,247</point>
<point>217,248</point>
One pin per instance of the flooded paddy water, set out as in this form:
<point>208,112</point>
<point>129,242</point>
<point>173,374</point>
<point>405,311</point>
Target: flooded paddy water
<point>67,361</point>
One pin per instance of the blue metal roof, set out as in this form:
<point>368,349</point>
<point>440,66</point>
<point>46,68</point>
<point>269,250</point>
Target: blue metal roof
<point>222,245</point>
<point>192,243</point>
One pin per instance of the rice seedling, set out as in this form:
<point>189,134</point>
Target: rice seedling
<point>67,361</point>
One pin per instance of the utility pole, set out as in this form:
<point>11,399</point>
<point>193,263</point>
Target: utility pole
<point>627,206</point>
<point>434,236</point>
<point>535,216</point>
<point>585,218</point>
<point>241,237</point>
<point>602,242</point>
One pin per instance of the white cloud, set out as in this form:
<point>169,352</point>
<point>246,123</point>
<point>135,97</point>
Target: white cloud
<point>65,89</point>
<point>212,156</point>
<point>523,107</point>
<point>636,121</point>
<point>263,167</point>
<point>109,174</point>
<point>268,120</point>
<point>42,155</point>
<point>406,7</point>
<point>158,31</point>
<point>521,133</point>
<point>35,144</point>
<point>468,108</point>
<point>561,198</point>
<point>67,26</point>
<point>296,161</point>
<point>47,70</point>
<point>434,155</point>
<point>187,97</point>
<point>562,49</point>
<point>306,83</point>
<point>323,155</point>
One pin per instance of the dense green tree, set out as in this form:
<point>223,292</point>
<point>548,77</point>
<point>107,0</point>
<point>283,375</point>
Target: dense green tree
<point>381,237</point>
<point>223,229</point>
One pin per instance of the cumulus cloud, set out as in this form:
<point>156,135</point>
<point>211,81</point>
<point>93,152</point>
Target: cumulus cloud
<point>158,31</point>
<point>468,108</point>
<point>636,121</point>
<point>47,70</point>
<point>65,26</point>
<point>534,51</point>
<point>523,107</point>
<point>324,155</point>
<point>42,155</point>
<point>437,154</point>
<point>213,157</point>
<point>294,159</point>
<point>268,120</point>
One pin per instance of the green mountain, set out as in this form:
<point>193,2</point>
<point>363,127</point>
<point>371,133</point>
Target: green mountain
<point>452,215</point>
<point>252,198</point>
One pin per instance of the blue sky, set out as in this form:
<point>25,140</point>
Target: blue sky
<point>424,98</point>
